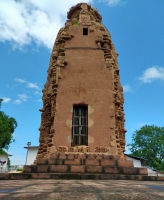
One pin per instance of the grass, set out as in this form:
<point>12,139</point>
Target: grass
<point>19,169</point>
<point>75,23</point>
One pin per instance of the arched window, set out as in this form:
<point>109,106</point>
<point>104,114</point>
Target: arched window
<point>80,125</point>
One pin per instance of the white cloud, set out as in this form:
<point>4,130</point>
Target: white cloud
<point>22,22</point>
<point>20,80</point>
<point>127,88</point>
<point>6,99</point>
<point>33,86</point>
<point>28,84</point>
<point>112,2</point>
<point>17,102</point>
<point>151,74</point>
<point>23,97</point>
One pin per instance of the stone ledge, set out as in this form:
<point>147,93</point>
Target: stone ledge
<point>84,159</point>
<point>75,155</point>
<point>77,176</point>
<point>91,166</point>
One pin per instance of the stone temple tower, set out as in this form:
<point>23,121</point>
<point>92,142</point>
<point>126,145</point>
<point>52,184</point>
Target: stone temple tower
<point>82,121</point>
<point>82,98</point>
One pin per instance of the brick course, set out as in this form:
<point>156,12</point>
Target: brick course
<point>42,161</point>
<point>125,163</point>
<point>62,156</point>
<point>81,156</point>
<point>111,170</point>
<point>94,169</point>
<point>42,168</point>
<point>108,162</point>
<point>58,168</point>
<point>84,163</point>
<point>70,156</point>
<point>91,162</point>
<point>72,162</point>
<point>77,169</point>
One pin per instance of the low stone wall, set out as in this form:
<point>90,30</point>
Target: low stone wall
<point>77,176</point>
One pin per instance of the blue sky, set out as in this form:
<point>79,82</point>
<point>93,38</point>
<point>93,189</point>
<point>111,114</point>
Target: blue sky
<point>27,32</point>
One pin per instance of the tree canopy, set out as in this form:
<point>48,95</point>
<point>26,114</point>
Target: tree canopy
<point>7,127</point>
<point>148,143</point>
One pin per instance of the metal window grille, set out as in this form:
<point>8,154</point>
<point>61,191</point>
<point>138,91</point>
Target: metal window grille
<point>80,125</point>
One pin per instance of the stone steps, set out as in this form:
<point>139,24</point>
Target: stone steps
<point>84,163</point>
<point>84,169</point>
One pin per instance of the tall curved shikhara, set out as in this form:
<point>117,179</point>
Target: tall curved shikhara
<point>83,41</point>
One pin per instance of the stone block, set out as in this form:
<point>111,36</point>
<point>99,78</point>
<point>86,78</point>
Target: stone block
<point>5,176</point>
<point>34,168</point>
<point>113,157</point>
<point>106,156</point>
<point>90,156</point>
<point>40,176</point>
<point>42,161</point>
<point>99,156</point>
<point>72,162</point>
<point>130,170</point>
<point>81,156</point>
<point>42,168</point>
<point>108,162</point>
<point>92,162</point>
<point>143,171</point>
<point>27,169</point>
<point>70,156</point>
<point>62,156</point>
<point>52,161</point>
<point>111,170</point>
<point>125,163</point>
<point>94,169</point>
<point>58,168</point>
<point>60,161</point>
<point>77,169</point>
<point>54,155</point>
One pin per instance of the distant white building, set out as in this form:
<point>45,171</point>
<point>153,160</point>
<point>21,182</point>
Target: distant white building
<point>153,172</point>
<point>31,154</point>
<point>3,162</point>
<point>138,162</point>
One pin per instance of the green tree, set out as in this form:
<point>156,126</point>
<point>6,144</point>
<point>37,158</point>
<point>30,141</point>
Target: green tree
<point>7,127</point>
<point>8,162</point>
<point>148,143</point>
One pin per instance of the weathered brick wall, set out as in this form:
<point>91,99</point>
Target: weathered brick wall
<point>83,70</point>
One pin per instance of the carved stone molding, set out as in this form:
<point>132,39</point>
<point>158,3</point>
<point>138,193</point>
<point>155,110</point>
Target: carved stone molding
<point>77,149</point>
<point>102,149</point>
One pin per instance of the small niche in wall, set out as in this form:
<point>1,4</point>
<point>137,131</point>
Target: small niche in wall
<point>85,31</point>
